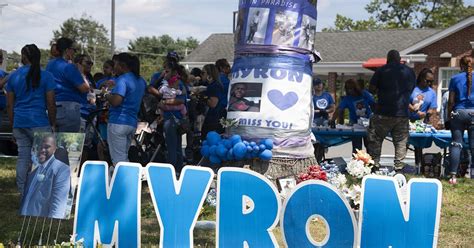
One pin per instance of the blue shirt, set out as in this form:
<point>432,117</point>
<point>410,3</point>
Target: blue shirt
<point>216,89</point>
<point>425,98</point>
<point>358,106</point>
<point>155,77</point>
<point>30,105</point>
<point>67,78</point>
<point>225,82</point>
<point>3,98</point>
<point>132,90</point>
<point>394,83</point>
<point>458,85</point>
<point>322,102</point>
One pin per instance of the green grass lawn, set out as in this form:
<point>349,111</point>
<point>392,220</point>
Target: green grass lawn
<point>456,228</point>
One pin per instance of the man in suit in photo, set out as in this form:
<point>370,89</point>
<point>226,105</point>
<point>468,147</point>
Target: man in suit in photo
<point>47,186</point>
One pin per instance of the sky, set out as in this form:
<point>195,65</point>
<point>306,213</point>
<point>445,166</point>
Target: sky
<point>33,21</point>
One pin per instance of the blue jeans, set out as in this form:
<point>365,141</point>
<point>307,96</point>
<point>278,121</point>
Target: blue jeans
<point>24,140</point>
<point>173,142</point>
<point>119,140</point>
<point>68,117</point>
<point>463,119</point>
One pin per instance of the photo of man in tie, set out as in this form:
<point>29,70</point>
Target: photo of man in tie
<point>48,184</point>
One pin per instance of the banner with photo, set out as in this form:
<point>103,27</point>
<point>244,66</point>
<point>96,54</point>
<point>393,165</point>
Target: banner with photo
<point>53,177</point>
<point>277,23</point>
<point>270,96</point>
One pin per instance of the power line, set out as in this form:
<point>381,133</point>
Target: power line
<point>35,12</point>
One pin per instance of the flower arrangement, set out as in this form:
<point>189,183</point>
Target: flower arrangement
<point>315,172</point>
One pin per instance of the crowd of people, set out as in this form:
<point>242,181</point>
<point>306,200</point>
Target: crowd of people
<point>65,95</point>
<point>61,98</point>
<point>401,97</point>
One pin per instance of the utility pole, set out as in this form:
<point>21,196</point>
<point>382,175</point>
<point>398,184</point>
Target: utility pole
<point>112,29</point>
<point>2,5</point>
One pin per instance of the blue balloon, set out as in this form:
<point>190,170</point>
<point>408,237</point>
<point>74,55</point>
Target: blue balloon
<point>230,154</point>
<point>205,151</point>
<point>256,148</point>
<point>262,147</point>
<point>212,150</point>
<point>235,139</point>
<point>214,160</point>
<point>253,143</point>
<point>204,143</point>
<point>221,151</point>
<point>239,150</point>
<point>245,142</point>
<point>213,138</point>
<point>228,143</point>
<point>266,155</point>
<point>268,144</point>
<point>249,149</point>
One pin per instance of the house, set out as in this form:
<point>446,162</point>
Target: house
<point>346,53</point>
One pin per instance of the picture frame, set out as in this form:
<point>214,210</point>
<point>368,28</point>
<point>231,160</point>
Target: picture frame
<point>286,184</point>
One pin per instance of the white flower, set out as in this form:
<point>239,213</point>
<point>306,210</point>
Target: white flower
<point>353,194</point>
<point>358,169</point>
<point>338,181</point>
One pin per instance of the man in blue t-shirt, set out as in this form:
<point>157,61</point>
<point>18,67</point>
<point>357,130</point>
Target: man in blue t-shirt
<point>393,83</point>
<point>71,87</point>
<point>323,103</point>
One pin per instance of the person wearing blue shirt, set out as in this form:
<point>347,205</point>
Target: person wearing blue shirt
<point>3,99</point>
<point>223,67</point>
<point>358,105</point>
<point>423,103</point>
<point>171,118</point>
<point>108,69</point>
<point>156,78</point>
<point>125,99</point>
<point>216,101</point>
<point>323,103</point>
<point>423,100</point>
<point>461,114</point>
<point>30,92</point>
<point>71,88</point>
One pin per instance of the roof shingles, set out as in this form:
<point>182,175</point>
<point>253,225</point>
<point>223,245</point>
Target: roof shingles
<point>333,46</point>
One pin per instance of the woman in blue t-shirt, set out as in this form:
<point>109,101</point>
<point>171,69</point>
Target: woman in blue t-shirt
<point>358,105</point>
<point>216,101</point>
<point>323,103</point>
<point>30,92</point>
<point>423,103</point>
<point>461,113</point>
<point>125,99</point>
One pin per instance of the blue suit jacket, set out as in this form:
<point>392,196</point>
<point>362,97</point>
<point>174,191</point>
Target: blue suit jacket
<point>48,195</point>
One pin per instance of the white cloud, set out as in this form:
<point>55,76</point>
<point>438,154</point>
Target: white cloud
<point>141,7</point>
<point>129,33</point>
<point>36,7</point>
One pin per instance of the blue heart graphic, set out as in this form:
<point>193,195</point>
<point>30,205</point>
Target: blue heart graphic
<point>281,101</point>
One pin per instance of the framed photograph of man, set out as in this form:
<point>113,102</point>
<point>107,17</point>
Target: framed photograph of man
<point>308,33</point>
<point>245,97</point>
<point>256,27</point>
<point>50,184</point>
<point>284,28</point>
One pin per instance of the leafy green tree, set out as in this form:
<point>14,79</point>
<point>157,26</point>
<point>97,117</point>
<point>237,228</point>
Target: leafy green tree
<point>152,50</point>
<point>90,36</point>
<point>390,14</point>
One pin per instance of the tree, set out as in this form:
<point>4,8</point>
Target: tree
<point>90,36</point>
<point>343,23</point>
<point>152,50</point>
<point>389,14</point>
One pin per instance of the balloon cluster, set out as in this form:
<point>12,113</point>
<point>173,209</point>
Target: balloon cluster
<point>218,149</point>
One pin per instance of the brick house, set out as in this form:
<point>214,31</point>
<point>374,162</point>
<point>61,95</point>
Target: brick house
<point>345,53</point>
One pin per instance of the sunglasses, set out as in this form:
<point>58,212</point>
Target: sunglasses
<point>430,81</point>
